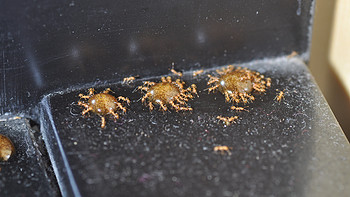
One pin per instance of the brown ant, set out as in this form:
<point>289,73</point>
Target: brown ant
<point>227,120</point>
<point>223,149</point>
<point>280,95</point>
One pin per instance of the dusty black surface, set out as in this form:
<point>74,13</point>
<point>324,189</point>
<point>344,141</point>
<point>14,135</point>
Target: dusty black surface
<point>291,148</point>
<point>25,173</point>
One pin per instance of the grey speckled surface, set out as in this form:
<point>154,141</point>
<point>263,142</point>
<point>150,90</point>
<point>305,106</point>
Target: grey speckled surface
<point>291,148</point>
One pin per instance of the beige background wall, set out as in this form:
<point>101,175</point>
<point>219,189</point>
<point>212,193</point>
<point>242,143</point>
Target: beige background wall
<point>331,86</point>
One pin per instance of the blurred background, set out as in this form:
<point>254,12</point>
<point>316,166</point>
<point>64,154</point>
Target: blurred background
<point>330,56</point>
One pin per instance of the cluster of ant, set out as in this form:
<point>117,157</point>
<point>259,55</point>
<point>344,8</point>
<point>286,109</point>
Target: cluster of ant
<point>236,84</point>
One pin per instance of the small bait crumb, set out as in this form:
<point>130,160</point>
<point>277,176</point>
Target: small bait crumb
<point>228,120</point>
<point>293,54</point>
<point>222,149</point>
<point>6,148</point>
<point>279,96</point>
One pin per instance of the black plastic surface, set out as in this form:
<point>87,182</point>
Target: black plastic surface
<point>25,173</point>
<point>46,46</point>
<point>291,148</point>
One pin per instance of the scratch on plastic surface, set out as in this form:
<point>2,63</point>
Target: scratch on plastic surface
<point>299,8</point>
<point>3,93</point>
